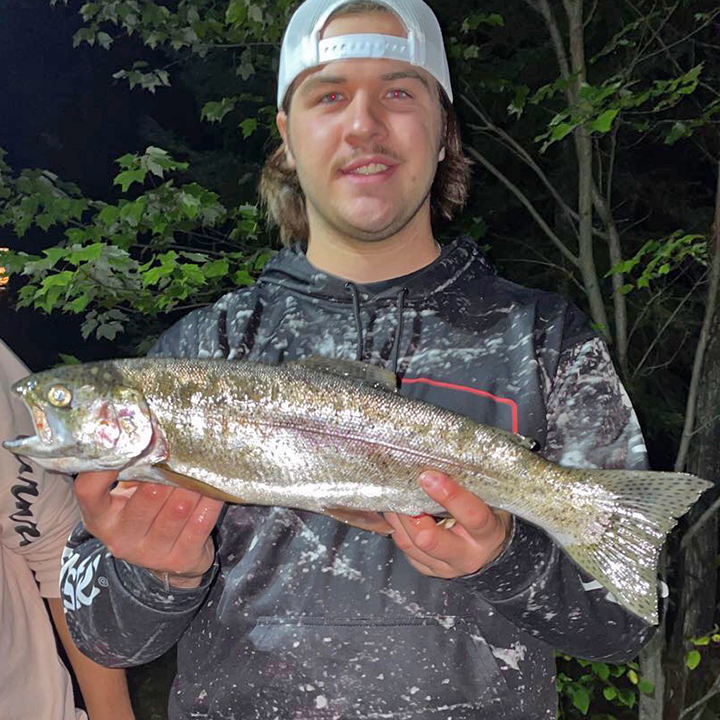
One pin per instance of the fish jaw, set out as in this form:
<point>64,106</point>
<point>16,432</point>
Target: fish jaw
<point>96,433</point>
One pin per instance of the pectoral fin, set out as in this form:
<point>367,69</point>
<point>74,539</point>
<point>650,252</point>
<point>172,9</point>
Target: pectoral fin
<point>162,474</point>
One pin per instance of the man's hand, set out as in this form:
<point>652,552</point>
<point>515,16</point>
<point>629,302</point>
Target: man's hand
<point>158,527</point>
<point>478,536</point>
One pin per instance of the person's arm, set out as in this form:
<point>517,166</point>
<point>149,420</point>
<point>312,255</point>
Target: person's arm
<point>104,690</point>
<point>118,609</point>
<point>526,576</point>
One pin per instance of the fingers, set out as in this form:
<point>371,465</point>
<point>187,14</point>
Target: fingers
<point>92,492</point>
<point>477,537</point>
<point>468,509</point>
<point>178,536</point>
<point>159,527</point>
<point>431,548</point>
<point>152,517</point>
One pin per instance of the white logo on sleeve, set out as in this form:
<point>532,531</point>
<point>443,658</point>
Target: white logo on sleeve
<point>77,581</point>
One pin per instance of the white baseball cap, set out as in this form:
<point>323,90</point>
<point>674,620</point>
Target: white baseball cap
<point>302,47</point>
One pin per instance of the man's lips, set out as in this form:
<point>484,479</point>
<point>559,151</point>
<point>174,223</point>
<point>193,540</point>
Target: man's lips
<point>369,166</point>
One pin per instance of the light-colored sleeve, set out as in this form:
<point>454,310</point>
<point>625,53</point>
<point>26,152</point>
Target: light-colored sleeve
<point>37,509</point>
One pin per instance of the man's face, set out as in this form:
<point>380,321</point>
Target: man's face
<point>364,136</point>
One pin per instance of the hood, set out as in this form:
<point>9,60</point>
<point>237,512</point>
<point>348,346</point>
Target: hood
<point>291,270</point>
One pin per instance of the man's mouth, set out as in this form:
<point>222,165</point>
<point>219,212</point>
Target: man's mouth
<point>372,169</point>
<point>369,166</point>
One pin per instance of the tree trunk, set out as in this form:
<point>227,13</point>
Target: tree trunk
<point>696,566</point>
<point>583,143</point>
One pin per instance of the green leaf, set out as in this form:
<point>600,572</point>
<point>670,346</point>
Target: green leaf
<point>79,304</point>
<point>68,359</point>
<point>248,127</point>
<point>243,277</point>
<point>677,131</point>
<point>633,677</point>
<point>128,177</point>
<point>610,692</point>
<point>692,659</point>
<point>627,697</point>
<point>104,40</point>
<point>236,12</point>
<point>61,279</point>
<point>217,268</point>
<point>603,122</point>
<point>581,699</point>
<point>561,130</point>
<point>601,670</point>
<point>192,273</point>
<point>216,111</point>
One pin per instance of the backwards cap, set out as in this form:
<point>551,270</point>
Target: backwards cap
<point>302,47</point>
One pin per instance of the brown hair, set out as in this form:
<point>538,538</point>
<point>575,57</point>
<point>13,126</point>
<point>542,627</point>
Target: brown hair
<point>284,199</point>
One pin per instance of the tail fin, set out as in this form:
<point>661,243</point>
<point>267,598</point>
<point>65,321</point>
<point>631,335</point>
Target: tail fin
<point>645,507</point>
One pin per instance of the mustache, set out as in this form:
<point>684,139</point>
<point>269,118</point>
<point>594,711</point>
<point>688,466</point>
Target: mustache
<point>373,150</point>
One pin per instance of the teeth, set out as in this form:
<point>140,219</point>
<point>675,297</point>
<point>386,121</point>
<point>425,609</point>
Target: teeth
<point>372,169</point>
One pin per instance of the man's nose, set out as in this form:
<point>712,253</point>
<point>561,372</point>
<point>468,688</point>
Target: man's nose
<point>365,119</point>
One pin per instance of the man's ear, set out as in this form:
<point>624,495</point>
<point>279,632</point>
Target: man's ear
<point>281,120</point>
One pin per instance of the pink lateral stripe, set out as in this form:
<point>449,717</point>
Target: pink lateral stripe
<point>483,393</point>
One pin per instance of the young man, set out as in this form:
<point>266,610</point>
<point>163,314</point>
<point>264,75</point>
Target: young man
<point>289,614</point>
<point>37,514</point>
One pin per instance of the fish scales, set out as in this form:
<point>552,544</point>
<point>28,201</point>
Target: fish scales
<point>291,436</point>
<point>319,439</point>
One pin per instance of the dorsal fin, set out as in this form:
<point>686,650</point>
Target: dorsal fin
<point>527,442</point>
<point>352,370</point>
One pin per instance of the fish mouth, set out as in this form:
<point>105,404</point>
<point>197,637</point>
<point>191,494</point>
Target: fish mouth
<point>45,443</point>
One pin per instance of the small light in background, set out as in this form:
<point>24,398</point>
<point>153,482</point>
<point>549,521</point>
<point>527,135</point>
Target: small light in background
<point>3,277</point>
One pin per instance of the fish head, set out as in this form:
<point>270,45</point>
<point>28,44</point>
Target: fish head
<point>84,418</point>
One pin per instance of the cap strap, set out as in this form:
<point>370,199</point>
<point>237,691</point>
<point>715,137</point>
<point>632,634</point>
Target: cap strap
<point>366,45</point>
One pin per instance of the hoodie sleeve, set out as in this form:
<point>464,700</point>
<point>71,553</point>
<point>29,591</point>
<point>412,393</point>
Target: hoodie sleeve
<point>119,614</point>
<point>533,583</point>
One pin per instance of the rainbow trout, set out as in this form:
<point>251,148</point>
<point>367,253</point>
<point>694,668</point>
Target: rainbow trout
<point>334,436</point>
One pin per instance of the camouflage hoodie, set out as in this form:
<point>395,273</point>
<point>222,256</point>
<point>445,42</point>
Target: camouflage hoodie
<point>304,618</point>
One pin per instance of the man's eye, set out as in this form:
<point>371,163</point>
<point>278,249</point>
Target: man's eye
<point>330,98</point>
<point>398,94</point>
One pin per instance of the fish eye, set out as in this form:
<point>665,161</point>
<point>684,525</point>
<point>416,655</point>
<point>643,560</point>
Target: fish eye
<point>59,396</point>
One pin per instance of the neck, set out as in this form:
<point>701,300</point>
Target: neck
<point>367,261</point>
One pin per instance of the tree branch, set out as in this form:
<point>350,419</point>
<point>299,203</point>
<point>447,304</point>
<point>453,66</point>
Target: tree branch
<point>515,147</point>
<point>515,190</point>
<point>662,330</point>
<point>710,310</point>
<point>714,690</point>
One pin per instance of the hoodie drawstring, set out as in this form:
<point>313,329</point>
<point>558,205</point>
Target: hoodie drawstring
<point>394,356</point>
<point>358,320</point>
<point>395,353</point>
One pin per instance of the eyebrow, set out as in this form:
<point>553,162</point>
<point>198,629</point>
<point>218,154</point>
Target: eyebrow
<point>401,74</point>
<point>319,80</point>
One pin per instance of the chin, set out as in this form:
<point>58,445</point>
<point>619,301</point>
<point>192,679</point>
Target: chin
<point>370,229</point>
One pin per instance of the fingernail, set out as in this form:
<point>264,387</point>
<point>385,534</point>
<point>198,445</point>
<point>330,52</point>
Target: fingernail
<point>430,481</point>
